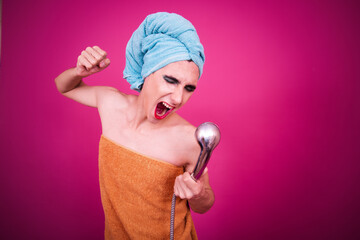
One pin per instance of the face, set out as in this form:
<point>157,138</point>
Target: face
<point>170,87</point>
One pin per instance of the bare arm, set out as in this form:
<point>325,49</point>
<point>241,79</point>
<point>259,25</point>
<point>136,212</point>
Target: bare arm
<point>68,80</point>
<point>70,84</point>
<point>199,194</point>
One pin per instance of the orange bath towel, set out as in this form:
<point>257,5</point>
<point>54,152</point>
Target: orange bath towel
<point>136,193</point>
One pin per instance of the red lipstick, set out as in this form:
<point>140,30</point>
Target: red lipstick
<point>162,110</point>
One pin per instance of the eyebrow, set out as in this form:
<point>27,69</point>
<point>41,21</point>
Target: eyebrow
<point>177,81</point>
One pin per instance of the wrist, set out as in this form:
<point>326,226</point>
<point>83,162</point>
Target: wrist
<point>75,73</point>
<point>203,202</point>
<point>203,194</point>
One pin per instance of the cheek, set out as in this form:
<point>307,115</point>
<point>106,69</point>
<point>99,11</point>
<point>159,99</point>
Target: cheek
<point>155,89</point>
<point>187,96</point>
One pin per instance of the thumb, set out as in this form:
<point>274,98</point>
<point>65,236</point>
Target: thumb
<point>205,171</point>
<point>104,63</point>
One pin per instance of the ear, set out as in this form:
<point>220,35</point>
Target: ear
<point>144,83</point>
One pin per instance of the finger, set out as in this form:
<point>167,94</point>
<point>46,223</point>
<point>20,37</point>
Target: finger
<point>189,181</point>
<point>205,176</point>
<point>78,64</point>
<point>104,63</point>
<point>102,53</point>
<point>194,187</point>
<point>95,69</point>
<point>176,190</point>
<point>89,57</point>
<point>180,191</point>
<point>84,62</point>
<point>189,187</point>
<point>186,191</point>
<point>95,54</point>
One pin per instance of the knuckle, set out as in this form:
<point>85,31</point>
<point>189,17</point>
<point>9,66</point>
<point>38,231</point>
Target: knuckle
<point>187,178</point>
<point>88,49</point>
<point>197,192</point>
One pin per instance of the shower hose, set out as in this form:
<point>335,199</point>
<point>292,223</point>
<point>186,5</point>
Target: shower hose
<point>172,217</point>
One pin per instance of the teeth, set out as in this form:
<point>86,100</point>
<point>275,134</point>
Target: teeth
<point>166,105</point>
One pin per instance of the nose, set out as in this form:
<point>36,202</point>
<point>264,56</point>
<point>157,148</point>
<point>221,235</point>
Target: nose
<point>177,96</point>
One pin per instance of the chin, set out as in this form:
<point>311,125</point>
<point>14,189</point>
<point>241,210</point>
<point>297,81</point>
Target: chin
<point>156,119</point>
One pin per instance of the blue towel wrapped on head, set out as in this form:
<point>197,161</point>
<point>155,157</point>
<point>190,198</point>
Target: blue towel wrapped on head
<point>162,38</point>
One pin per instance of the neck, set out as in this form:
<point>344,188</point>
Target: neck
<point>136,116</point>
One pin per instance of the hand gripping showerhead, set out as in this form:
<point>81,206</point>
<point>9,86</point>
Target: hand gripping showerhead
<point>208,136</point>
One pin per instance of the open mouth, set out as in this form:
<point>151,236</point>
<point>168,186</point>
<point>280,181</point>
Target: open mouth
<point>162,110</point>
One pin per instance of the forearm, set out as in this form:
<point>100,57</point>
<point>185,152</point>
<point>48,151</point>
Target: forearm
<point>67,80</point>
<point>204,202</point>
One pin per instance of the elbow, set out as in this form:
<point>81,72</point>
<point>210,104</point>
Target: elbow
<point>57,86</point>
<point>63,89</point>
<point>204,207</point>
<point>201,211</point>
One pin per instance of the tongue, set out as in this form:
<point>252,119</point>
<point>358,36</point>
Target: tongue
<point>160,109</point>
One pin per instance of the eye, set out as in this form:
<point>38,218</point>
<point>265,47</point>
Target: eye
<point>170,80</point>
<point>190,88</point>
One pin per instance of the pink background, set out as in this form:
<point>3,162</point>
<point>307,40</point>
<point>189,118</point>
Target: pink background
<point>281,80</point>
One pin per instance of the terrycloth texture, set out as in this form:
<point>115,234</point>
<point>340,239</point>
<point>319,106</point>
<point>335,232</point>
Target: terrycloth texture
<point>162,38</point>
<point>136,193</point>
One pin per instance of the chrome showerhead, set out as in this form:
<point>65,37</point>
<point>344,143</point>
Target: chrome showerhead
<point>208,136</point>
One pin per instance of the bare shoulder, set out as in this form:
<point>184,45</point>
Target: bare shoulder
<point>109,96</point>
<point>187,143</point>
<point>112,106</point>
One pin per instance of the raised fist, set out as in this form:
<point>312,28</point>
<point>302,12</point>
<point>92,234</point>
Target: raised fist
<point>91,60</point>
